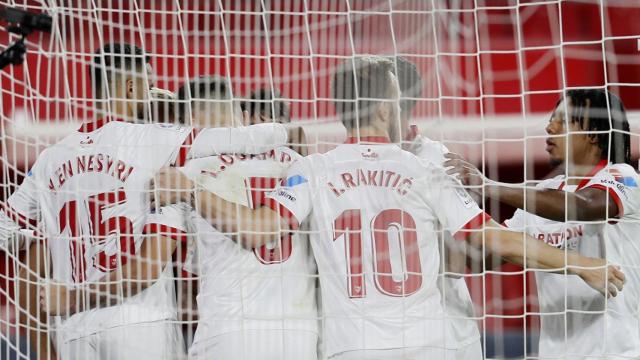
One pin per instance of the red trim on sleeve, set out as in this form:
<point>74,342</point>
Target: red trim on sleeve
<point>186,147</point>
<point>259,188</point>
<point>601,165</point>
<point>284,213</point>
<point>16,216</point>
<point>476,223</point>
<point>613,195</point>
<point>161,229</point>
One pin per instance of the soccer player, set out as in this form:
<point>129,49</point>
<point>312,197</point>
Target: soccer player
<point>266,106</point>
<point>464,334</point>
<point>374,212</point>
<point>257,303</point>
<point>592,209</point>
<point>110,290</point>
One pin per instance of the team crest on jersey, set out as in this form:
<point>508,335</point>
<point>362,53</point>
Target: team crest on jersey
<point>295,180</point>
<point>625,180</point>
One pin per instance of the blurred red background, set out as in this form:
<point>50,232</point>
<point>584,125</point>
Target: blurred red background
<point>497,58</point>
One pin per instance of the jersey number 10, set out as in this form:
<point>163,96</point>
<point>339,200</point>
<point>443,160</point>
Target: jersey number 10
<point>349,226</point>
<point>101,230</point>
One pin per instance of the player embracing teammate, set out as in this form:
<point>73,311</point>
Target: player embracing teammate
<point>109,288</point>
<point>374,214</point>
<point>592,209</point>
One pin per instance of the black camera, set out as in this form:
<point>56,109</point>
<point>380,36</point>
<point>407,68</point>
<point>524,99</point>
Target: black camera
<point>22,23</point>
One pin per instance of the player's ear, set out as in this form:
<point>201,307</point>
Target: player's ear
<point>130,86</point>
<point>384,111</point>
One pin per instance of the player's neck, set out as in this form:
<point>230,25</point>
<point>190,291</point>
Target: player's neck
<point>583,166</point>
<point>366,132</point>
<point>114,109</point>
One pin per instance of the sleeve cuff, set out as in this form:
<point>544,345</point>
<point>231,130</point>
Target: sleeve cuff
<point>181,159</point>
<point>284,213</point>
<point>475,223</point>
<point>20,219</point>
<point>165,230</point>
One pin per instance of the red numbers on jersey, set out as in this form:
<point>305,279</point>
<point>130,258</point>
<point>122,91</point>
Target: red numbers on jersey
<point>101,230</point>
<point>279,252</point>
<point>349,225</point>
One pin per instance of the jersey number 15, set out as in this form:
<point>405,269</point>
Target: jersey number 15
<point>101,231</point>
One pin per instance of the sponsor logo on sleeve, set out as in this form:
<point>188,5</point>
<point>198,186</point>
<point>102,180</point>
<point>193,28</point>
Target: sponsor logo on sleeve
<point>466,199</point>
<point>625,180</point>
<point>283,193</point>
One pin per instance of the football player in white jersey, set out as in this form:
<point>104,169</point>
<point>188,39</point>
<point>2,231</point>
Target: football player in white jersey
<point>594,209</point>
<point>374,213</point>
<point>458,306</point>
<point>110,289</point>
<point>252,303</point>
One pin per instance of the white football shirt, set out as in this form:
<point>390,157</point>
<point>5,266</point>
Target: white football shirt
<point>90,192</point>
<point>576,321</point>
<point>374,213</point>
<point>269,288</point>
<point>456,298</point>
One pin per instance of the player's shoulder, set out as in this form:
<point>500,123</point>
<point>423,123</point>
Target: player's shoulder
<point>551,183</point>
<point>621,169</point>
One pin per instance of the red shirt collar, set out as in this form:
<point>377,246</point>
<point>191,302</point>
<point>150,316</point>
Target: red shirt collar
<point>368,139</point>
<point>601,165</point>
<point>94,125</point>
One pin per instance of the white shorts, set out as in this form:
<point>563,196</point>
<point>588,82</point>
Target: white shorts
<point>153,340</point>
<point>256,345</point>
<point>411,353</point>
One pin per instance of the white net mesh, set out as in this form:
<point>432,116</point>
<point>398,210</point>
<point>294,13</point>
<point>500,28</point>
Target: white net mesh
<point>491,74</point>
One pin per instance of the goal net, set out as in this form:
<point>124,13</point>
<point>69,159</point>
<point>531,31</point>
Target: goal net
<point>490,75</point>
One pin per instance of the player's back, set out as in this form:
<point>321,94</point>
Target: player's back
<point>271,287</point>
<point>92,187</point>
<point>374,236</point>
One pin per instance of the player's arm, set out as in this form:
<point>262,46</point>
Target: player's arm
<point>522,249</point>
<point>253,139</point>
<point>467,222</point>
<point>588,204</point>
<point>140,272</point>
<point>31,315</point>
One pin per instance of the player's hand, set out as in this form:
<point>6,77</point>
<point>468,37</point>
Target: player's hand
<point>170,186</point>
<point>57,299</point>
<point>606,279</point>
<point>466,172</point>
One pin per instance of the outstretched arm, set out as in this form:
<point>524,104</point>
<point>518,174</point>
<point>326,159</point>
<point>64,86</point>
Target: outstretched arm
<point>140,272</point>
<point>588,204</point>
<point>522,249</point>
<point>252,227</point>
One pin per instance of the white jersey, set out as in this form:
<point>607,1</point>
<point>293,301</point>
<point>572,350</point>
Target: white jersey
<point>269,288</point>
<point>90,193</point>
<point>456,298</point>
<point>576,320</point>
<point>374,212</point>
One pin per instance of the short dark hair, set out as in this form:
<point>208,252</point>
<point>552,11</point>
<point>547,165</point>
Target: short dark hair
<point>264,102</point>
<point>356,87</point>
<point>203,87</point>
<point>410,83</point>
<point>113,59</point>
<point>606,115</point>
